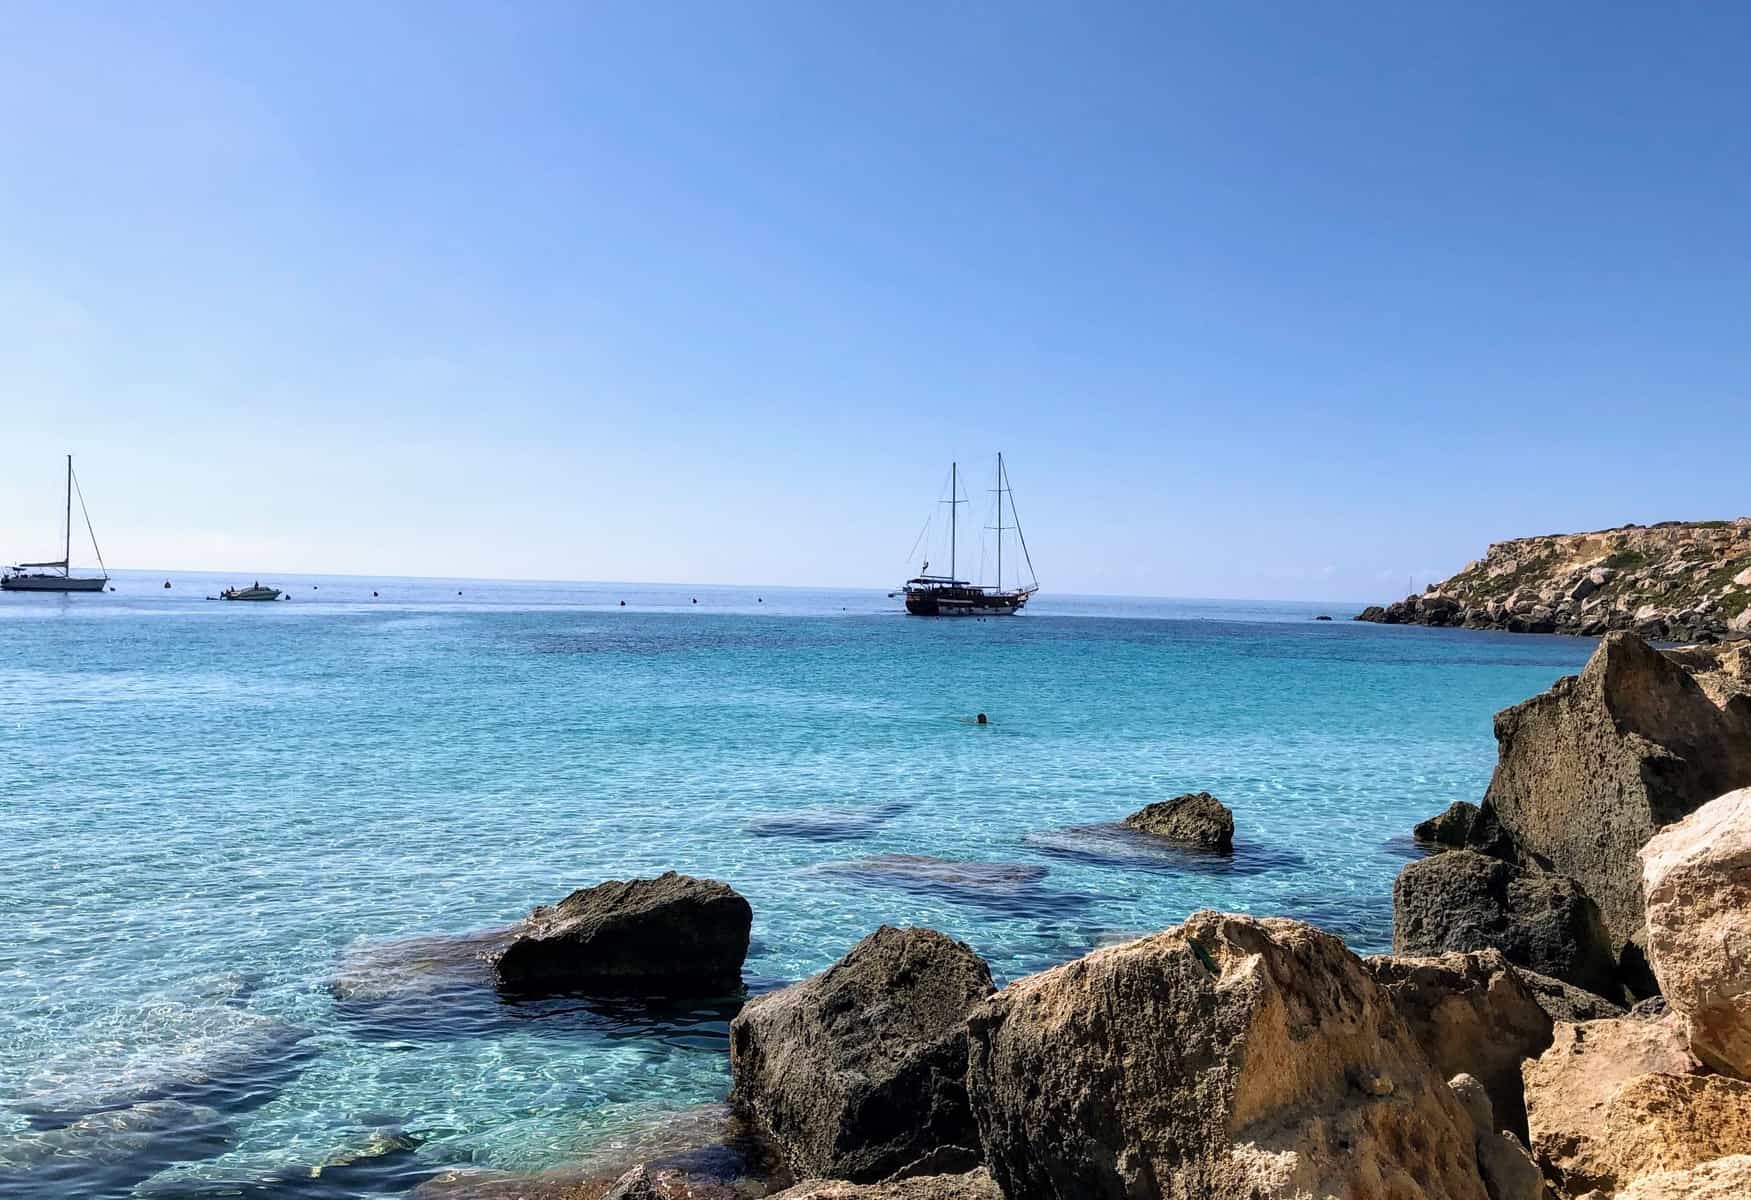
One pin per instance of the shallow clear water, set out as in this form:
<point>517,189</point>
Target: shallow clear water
<point>211,809</point>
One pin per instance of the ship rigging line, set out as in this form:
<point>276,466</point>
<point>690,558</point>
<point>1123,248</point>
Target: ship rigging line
<point>1020,536</point>
<point>84,512</point>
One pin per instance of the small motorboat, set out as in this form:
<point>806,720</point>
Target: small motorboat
<point>254,591</point>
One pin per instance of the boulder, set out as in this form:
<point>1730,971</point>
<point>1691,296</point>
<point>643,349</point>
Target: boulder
<point>1571,1089</point>
<point>1197,819</point>
<point>1463,901</point>
<point>859,1073</point>
<point>1564,1001</point>
<point>974,1185</point>
<point>673,935</point>
<point>1230,1058</point>
<point>1502,1158</point>
<point>1472,1015</point>
<point>1592,768</point>
<point>1723,1179</point>
<point>1697,874</point>
<point>1449,828</point>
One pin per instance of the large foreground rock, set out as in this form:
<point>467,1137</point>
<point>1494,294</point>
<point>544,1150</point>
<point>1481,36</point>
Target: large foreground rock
<point>1195,819</point>
<point>860,1072</point>
<point>1502,1158</point>
<point>1698,879</point>
<point>1462,900</point>
<point>1472,1015</point>
<point>1231,1058</point>
<point>1573,1108</point>
<point>1588,771</point>
<point>673,935</point>
<point>1723,1179</point>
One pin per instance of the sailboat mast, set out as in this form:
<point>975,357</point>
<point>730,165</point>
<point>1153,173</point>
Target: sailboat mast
<point>67,537</point>
<point>954,502</point>
<point>1000,520</point>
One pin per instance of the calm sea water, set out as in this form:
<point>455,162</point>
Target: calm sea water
<point>210,810</point>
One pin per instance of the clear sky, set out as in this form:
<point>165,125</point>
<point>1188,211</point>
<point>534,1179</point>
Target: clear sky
<point>1263,300</point>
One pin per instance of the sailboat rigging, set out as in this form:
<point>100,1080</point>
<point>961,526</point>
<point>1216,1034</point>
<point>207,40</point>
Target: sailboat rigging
<point>949,595</point>
<point>58,576</point>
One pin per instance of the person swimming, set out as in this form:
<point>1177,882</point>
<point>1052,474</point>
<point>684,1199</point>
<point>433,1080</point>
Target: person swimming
<point>981,720</point>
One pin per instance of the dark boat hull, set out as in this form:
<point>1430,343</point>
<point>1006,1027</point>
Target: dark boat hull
<point>963,602</point>
<point>52,583</point>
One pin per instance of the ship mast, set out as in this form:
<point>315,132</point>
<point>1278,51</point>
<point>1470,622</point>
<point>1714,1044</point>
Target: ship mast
<point>1000,520</point>
<point>954,500</point>
<point>67,538</point>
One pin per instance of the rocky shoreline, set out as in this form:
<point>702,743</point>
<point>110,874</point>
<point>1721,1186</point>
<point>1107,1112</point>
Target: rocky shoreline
<point>1565,1014</point>
<point>1677,581</point>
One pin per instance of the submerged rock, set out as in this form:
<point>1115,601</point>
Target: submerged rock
<point>1588,771</point>
<point>1449,828</point>
<point>859,1073</point>
<point>107,1153</point>
<point>1464,901</point>
<point>673,935</point>
<point>825,825</point>
<point>1195,819</point>
<point>1698,879</point>
<point>1227,1059</point>
<point>1472,1015</point>
<point>1011,888</point>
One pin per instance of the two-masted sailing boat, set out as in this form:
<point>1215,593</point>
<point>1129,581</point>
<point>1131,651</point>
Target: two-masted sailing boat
<point>58,576</point>
<point>949,595</point>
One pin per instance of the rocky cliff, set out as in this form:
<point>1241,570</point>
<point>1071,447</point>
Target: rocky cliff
<point>1676,581</point>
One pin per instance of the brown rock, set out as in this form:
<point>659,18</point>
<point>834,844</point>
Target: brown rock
<point>1502,1158</point>
<point>1675,1122</point>
<point>1571,1086</point>
<point>1231,1058</point>
<point>674,935</point>
<point>1472,1015</point>
<point>1592,768</point>
<point>860,1072</point>
<point>1462,900</point>
<point>1451,827</point>
<point>1723,1179</point>
<point>1566,1002</point>
<point>974,1185</point>
<point>1698,879</point>
<point>1197,819</point>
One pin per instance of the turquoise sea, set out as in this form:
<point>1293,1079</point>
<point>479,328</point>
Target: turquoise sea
<point>212,810</point>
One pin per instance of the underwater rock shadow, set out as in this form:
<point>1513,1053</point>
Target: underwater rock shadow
<point>107,1153</point>
<point>235,1074</point>
<point>1111,844</point>
<point>437,987</point>
<point>1011,889</point>
<point>379,1161</point>
<point>825,824</point>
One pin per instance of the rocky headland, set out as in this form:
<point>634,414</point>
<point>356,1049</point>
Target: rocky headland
<point>1566,1014</point>
<point>1681,581</point>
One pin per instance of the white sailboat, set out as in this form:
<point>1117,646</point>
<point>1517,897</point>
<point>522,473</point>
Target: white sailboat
<point>58,576</point>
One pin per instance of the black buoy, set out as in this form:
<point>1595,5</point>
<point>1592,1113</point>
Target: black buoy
<point>981,720</point>
<point>458,591</point>
<point>373,593</point>
<point>112,589</point>
<point>166,584</point>
<point>696,599</point>
<point>623,604</point>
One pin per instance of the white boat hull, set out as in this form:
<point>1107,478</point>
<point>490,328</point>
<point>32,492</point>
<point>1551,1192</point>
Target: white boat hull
<point>51,583</point>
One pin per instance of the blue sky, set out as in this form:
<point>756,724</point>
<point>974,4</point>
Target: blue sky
<point>1259,300</point>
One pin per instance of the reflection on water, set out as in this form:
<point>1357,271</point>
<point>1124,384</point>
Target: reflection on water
<point>250,850</point>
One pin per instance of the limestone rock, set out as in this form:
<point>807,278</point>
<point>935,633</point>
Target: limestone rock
<point>1198,819</point>
<point>1592,768</point>
<point>1502,1158</point>
<point>860,1072</point>
<point>1726,1178</point>
<point>1698,879</point>
<point>673,935</point>
<point>1449,828</point>
<point>974,1185</point>
<point>1464,901</point>
<point>1230,1058</point>
<point>1571,1089</point>
<point>1566,1002</point>
<point>1472,1015</point>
